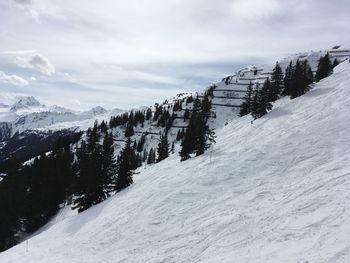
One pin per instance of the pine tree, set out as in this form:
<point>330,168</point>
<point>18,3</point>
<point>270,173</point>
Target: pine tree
<point>288,79</point>
<point>163,148</point>
<point>189,140</point>
<point>173,148</point>
<point>205,106</point>
<point>91,185</point>
<point>308,76</point>
<point>204,137</point>
<point>335,63</point>
<point>13,191</point>
<point>148,114</point>
<point>255,101</point>
<point>151,156</point>
<point>129,129</point>
<point>189,99</point>
<point>170,121</point>
<point>302,77</point>
<point>125,167</point>
<point>141,143</point>
<point>109,166</point>
<point>104,127</point>
<point>198,136</point>
<point>246,106</point>
<point>276,82</point>
<point>262,100</point>
<point>158,111</point>
<point>186,115</point>
<point>324,68</point>
<point>144,155</point>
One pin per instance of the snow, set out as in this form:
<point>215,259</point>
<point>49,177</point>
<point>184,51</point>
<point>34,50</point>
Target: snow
<point>277,190</point>
<point>27,113</point>
<point>25,103</point>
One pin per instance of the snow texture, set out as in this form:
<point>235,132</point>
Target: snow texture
<point>277,190</point>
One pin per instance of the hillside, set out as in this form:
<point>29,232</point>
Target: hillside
<point>24,121</point>
<point>276,190</point>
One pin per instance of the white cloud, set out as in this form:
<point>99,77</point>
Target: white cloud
<point>158,45</point>
<point>254,9</point>
<point>36,62</point>
<point>12,79</point>
<point>23,2</point>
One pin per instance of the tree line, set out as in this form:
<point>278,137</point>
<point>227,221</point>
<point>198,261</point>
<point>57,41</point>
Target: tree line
<point>85,173</point>
<point>293,83</point>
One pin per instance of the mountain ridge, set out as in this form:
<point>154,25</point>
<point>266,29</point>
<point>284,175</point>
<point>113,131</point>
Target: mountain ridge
<point>271,191</point>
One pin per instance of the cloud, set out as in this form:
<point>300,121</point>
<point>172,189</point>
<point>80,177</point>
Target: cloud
<point>24,2</point>
<point>159,47</point>
<point>254,9</point>
<point>36,62</point>
<point>13,80</point>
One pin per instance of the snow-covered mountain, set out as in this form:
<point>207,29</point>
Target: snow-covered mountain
<point>28,127</point>
<point>273,190</point>
<point>27,113</point>
<point>26,103</point>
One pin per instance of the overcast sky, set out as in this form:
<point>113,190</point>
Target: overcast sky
<point>113,53</point>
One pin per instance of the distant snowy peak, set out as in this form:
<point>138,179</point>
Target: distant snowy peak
<point>60,109</point>
<point>98,110</point>
<point>26,103</point>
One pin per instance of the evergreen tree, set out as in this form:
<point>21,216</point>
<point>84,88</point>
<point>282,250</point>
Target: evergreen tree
<point>255,101</point>
<point>246,106</point>
<point>141,143</point>
<point>158,111</point>
<point>288,79</point>
<point>170,121</point>
<point>125,167</point>
<point>301,78</point>
<point>109,166</point>
<point>276,82</point>
<point>13,188</point>
<point>204,136</point>
<point>91,181</point>
<point>144,155</point>
<point>324,68</point>
<point>186,115</point>
<point>308,76</point>
<point>297,80</point>
<point>163,148</point>
<point>198,136</point>
<point>189,140</point>
<point>189,99</point>
<point>335,63</point>
<point>151,156</point>
<point>262,100</point>
<point>148,114</point>
<point>129,129</point>
<point>104,127</point>
<point>173,148</point>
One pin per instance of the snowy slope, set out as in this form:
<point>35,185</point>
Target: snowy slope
<point>234,86</point>
<point>277,190</point>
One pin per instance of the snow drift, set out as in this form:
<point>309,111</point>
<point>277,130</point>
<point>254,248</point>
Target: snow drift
<point>277,190</point>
